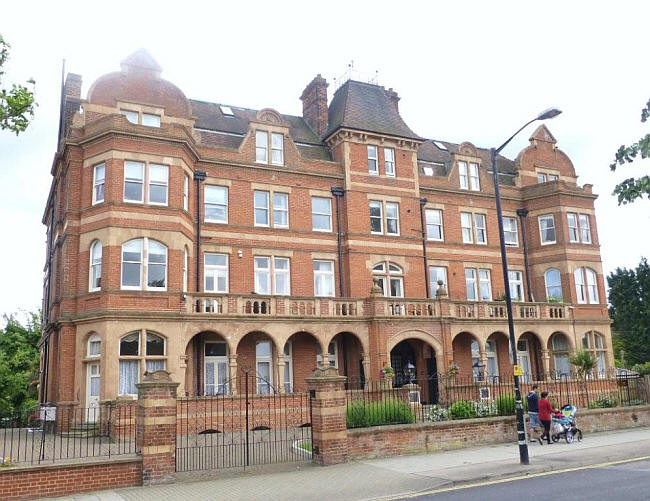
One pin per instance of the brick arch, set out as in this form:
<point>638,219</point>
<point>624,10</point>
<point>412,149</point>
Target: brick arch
<point>330,337</point>
<point>273,338</point>
<point>569,339</point>
<point>210,331</point>
<point>395,339</point>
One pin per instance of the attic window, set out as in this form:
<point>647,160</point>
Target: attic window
<point>427,171</point>
<point>440,145</point>
<point>227,111</point>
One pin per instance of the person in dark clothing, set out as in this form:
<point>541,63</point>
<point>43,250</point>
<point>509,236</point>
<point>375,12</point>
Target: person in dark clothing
<point>545,409</point>
<point>533,412</point>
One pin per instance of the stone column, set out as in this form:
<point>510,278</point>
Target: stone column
<point>232,374</point>
<point>328,405</point>
<point>280,369</point>
<point>156,427</point>
<point>365,361</point>
<point>484,360</point>
<point>546,363</point>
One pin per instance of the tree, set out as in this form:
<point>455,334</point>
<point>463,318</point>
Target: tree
<point>19,361</point>
<point>629,298</point>
<point>16,104</point>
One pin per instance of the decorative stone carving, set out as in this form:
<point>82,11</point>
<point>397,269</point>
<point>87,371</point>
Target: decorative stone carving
<point>468,149</point>
<point>270,115</point>
<point>441,291</point>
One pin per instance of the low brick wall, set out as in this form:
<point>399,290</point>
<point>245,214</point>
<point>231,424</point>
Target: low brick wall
<point>29,482</point>
<point>394,440</point>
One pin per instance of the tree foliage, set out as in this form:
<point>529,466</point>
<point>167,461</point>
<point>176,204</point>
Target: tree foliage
<point>16,103</point>
<point>632,188</point>
<point>629,298</point>
<point>583,362</point>
<point>19,360</point>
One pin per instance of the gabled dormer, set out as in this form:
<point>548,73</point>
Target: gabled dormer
<point>543,162</point>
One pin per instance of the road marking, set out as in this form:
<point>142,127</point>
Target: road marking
<point>512,479</point>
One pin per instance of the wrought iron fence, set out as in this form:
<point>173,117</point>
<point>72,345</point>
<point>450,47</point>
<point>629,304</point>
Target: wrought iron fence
<point>249,424</point>
<point>50,433</point>
<point>443,397</point>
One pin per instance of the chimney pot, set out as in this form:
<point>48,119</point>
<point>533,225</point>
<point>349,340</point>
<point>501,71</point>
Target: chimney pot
<point>314,104</point>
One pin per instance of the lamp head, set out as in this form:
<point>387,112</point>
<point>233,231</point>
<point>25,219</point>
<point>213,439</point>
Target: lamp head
<point>549,113</point>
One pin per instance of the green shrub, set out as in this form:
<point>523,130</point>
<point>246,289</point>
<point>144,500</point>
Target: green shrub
<point>602,402</point>
<point>462,410</point>
<point>505,404</point>
<point>361,414</point>
<point>643,369</point>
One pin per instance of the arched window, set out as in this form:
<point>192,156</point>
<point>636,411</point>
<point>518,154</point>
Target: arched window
<point>95,281</point>
<point>132,356</point>
<point>560,350</point>
<point>144,265</point>
<point>390,277</point>
<point>586,285</point>
<point>594,343</point>
<point>94,346</point>
<point>553,284</point>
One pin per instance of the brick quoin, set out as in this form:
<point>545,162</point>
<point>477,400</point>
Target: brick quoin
<point>320,151</point>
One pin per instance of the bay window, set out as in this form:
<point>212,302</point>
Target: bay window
<point>99,176</point>
<point>547,229</point>
<point>95,266</point>
<point>144,261</point>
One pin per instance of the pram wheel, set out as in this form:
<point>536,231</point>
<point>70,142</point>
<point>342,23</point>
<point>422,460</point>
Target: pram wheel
<point>578,435</point>
<point>555,438</point>
<point>568,436</point>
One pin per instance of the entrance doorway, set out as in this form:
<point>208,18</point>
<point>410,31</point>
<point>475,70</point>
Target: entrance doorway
<point>93,384</point>
<point>414,361</point>
<point>216,368</point>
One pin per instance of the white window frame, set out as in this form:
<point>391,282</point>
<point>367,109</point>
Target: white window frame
<point>389,162</point>
<point>150,119</point>
<point>429,215</point>
<point>94,338</point>
<point>395,206</point>
<point>328,214</point>
<point>275,148</point>
<point>552,286</point>
<point>484,279</point>
<point>387,275</point>
<point>474,177</point>
<point>492,355</point>
<point>279,210</point>
<point>433,283</point>
<point>592,285</point>
<point>324,275</point>
<point>130,115</point>
<point>99,183</point>
<point>373,160</point>
<point>516,285</point>
<point>463,176</point>
<point>467,230</point>
<point>259,208</point>
<point>186,192</point>
<point>215,271</point>
<point>374,204</point>
<point>218,204</point>
<point>186,259</point>
<point>332,354</point>
<point>541,178</point>
<point>144,265</point>
<point>510,230</point>
<point>259,271</point>
<point>553,177</point>
<point>95,270</point>
<point>271,272</point>
<point>146,183</point>
<point>264,387</point>
<point>261,146</point>
<point>281,271</point>
<point>478,228</point>
<point>572,224</point>
<point>288,367</point>
<point>541,230</point>
<point>585,228</point>
<point>471,284</point>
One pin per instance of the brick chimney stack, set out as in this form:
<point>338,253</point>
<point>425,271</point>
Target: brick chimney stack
<point>71,103</point>
<point>394,98</point>
<point>314,104</point>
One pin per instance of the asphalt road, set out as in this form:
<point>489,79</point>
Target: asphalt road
<point>624,481</point>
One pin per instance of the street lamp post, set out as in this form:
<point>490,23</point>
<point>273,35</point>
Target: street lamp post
<point>521,432</point>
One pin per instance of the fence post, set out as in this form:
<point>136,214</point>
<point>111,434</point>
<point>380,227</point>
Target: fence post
<point>328,405</point>
<point>156,427</point>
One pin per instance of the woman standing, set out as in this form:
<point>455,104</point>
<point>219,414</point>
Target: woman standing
<point>545,410</point>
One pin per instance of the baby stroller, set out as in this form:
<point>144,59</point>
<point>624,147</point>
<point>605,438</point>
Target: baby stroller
<point>564,425</point>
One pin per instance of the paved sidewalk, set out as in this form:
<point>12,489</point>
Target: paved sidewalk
<point>390,477</point>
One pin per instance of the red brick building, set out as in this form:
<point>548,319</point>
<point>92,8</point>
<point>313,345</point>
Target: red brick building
<point>210,239</point>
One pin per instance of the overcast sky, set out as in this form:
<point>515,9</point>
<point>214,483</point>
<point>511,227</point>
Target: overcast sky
<point>466,71</point>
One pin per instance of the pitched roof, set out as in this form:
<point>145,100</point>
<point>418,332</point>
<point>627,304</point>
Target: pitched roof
<point>209,116</point>
<point>366,107</point>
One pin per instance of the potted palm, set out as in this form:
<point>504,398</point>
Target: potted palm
<point>584,364</point>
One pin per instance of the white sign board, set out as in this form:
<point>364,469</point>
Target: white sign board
<point>48,413</point>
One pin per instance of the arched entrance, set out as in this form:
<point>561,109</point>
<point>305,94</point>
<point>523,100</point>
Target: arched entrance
<point>207,373</point>
<point>345,352</point>
<point>414,361</point>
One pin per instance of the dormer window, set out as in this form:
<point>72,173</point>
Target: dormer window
<point>262,147</point>
<point>135,117</point>
<point>469,178</point>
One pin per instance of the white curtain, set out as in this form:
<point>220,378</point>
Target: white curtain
<point>129,374</point>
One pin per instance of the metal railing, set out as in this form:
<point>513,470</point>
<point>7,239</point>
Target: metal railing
<point>441,397</point>
<point>49,433</point>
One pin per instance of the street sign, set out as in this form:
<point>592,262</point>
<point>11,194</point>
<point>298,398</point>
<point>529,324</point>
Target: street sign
<point>517,370</point>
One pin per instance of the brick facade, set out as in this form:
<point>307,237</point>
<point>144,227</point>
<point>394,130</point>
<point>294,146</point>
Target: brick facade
<point>325,149</point>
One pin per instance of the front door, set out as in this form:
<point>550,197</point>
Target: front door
<point>92,392</point>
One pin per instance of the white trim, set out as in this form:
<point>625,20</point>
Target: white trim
<point>96,184</point>
<point>541,231</point>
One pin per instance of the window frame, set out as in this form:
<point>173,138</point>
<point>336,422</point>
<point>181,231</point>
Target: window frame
<point>141,358</point>
<point>375,159</point>
<point>463,175</point>
<point>428,224</point>
<point>582,228</point>
<point>257,208</point>
<point>329,215</point>
<point>94,338</point>
<point>288,366</point>
<point>374,204</point>
<point>144,264</point>
<point>145,183</point>
<point>395,218</point>
<point>264,147</point>
<point>467,230</point>
<point>509,231</point>
<point>273,149</point>
<point>214,270</point>
<point>470,281</point>
<point>474,177</point>
<point>206,203</point>
<point>518,285</point>
<point>388,275</point>
<point>264,387</point>
<point>541,230</point>
<point>574,229</point>
<point>271,272</point>
<point>280,210</point>
<point>151,183</point>
<point>547,287</point>
<point>327,274</point>
<point>133,180</point>
<point>93,265</point>
<point>433,284</point>
<point>96,184</point>
<point>389,162</point>
<point>477,229</point>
